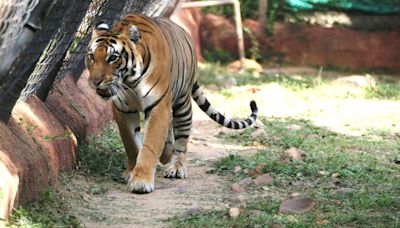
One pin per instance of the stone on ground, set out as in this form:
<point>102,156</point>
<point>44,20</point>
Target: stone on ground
<point>263,180</point>
<point>296,206</point>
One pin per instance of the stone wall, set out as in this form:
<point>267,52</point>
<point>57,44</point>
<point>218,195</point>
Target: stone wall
<point>301,44</point>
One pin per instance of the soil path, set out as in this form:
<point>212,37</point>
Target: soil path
<point>105,203</point>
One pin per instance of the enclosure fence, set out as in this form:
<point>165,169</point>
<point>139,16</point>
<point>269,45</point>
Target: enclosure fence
<point>58,32</point>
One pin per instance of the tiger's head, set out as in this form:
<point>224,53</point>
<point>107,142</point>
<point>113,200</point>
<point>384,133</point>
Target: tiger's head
<point>112,59</point>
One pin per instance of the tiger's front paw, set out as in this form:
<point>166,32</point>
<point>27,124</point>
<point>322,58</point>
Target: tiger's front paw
<point>141,180</point>
<point>176,170</point>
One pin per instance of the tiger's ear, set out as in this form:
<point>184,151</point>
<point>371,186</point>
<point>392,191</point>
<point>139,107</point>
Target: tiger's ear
<point>134,34</point>
<point>101,27</point>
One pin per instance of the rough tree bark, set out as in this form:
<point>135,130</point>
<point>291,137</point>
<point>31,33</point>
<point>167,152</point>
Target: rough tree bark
<point>14,76</point>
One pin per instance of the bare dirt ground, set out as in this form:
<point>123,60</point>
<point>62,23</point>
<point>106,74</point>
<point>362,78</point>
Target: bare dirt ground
<point>106,203</point>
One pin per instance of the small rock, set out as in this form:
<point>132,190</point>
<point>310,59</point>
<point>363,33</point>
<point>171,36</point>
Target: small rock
<point>234,212</point>
<point>334,175</point>
<point>258,133</point>
<point>237,169</point>
<point>323,173</point>
<point>263,180</point>
<point>246,181</point>
<point>294,154</point>
<point>295,194</point>
<point>236,188</point>
<point>296,206</point>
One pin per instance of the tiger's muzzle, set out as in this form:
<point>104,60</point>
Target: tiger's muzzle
<point>104,93</point>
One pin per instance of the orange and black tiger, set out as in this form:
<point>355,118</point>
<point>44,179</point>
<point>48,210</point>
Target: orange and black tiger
<point>149,65</point>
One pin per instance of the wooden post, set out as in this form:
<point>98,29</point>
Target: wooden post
<point>238,19</point>
<point>262,16</point>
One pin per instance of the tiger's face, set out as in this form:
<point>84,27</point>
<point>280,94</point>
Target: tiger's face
<point>110,60</point>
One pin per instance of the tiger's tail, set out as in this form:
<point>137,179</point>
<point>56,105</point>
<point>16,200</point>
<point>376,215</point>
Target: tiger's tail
<point>204,104</point>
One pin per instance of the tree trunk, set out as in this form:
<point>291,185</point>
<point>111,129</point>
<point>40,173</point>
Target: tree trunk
<point>15,74</point>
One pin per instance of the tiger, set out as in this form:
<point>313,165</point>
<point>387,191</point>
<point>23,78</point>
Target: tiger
<point>148,65</point>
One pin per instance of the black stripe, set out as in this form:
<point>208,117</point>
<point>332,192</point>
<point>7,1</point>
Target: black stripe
<point>178,106</point>
<point>149,108</point>
<point>152,87</point>
<point>137,129</point>
<point>183,125</point>
<point>182,114</point>
<point>205,106</point>
<point>181,136</point>
<point>147,59</point>
<point>195,87</point>
<point>221,119</point>
<point>235,125</point>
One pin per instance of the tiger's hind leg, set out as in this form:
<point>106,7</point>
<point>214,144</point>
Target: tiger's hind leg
<point>168,147</point>
<point>182,121</point>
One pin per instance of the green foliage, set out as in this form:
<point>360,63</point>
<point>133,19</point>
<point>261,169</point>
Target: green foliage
<point>103,155</point>
<point>384,91</point>
<point>254,49</point>
<point>364,164</point>
<point>217,56</point>
<point>49,211</point>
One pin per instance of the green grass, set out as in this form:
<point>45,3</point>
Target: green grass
<point>48,211</point>
<point>384,91</point>
<point>217,74</point>
<point>103,155</point>
<point>365,164</point>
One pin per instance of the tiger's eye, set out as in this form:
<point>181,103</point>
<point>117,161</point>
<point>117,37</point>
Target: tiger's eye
<point>91,56</point>
<point>112,58</point>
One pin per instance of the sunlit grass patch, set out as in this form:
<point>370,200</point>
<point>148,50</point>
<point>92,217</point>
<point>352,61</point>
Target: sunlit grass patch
<point>384,91</point>
<point>364,166</point>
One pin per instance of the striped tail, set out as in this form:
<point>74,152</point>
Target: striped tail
<point>204,104</point>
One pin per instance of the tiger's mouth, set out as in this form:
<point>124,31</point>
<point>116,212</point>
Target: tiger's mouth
<point>104,93</point>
